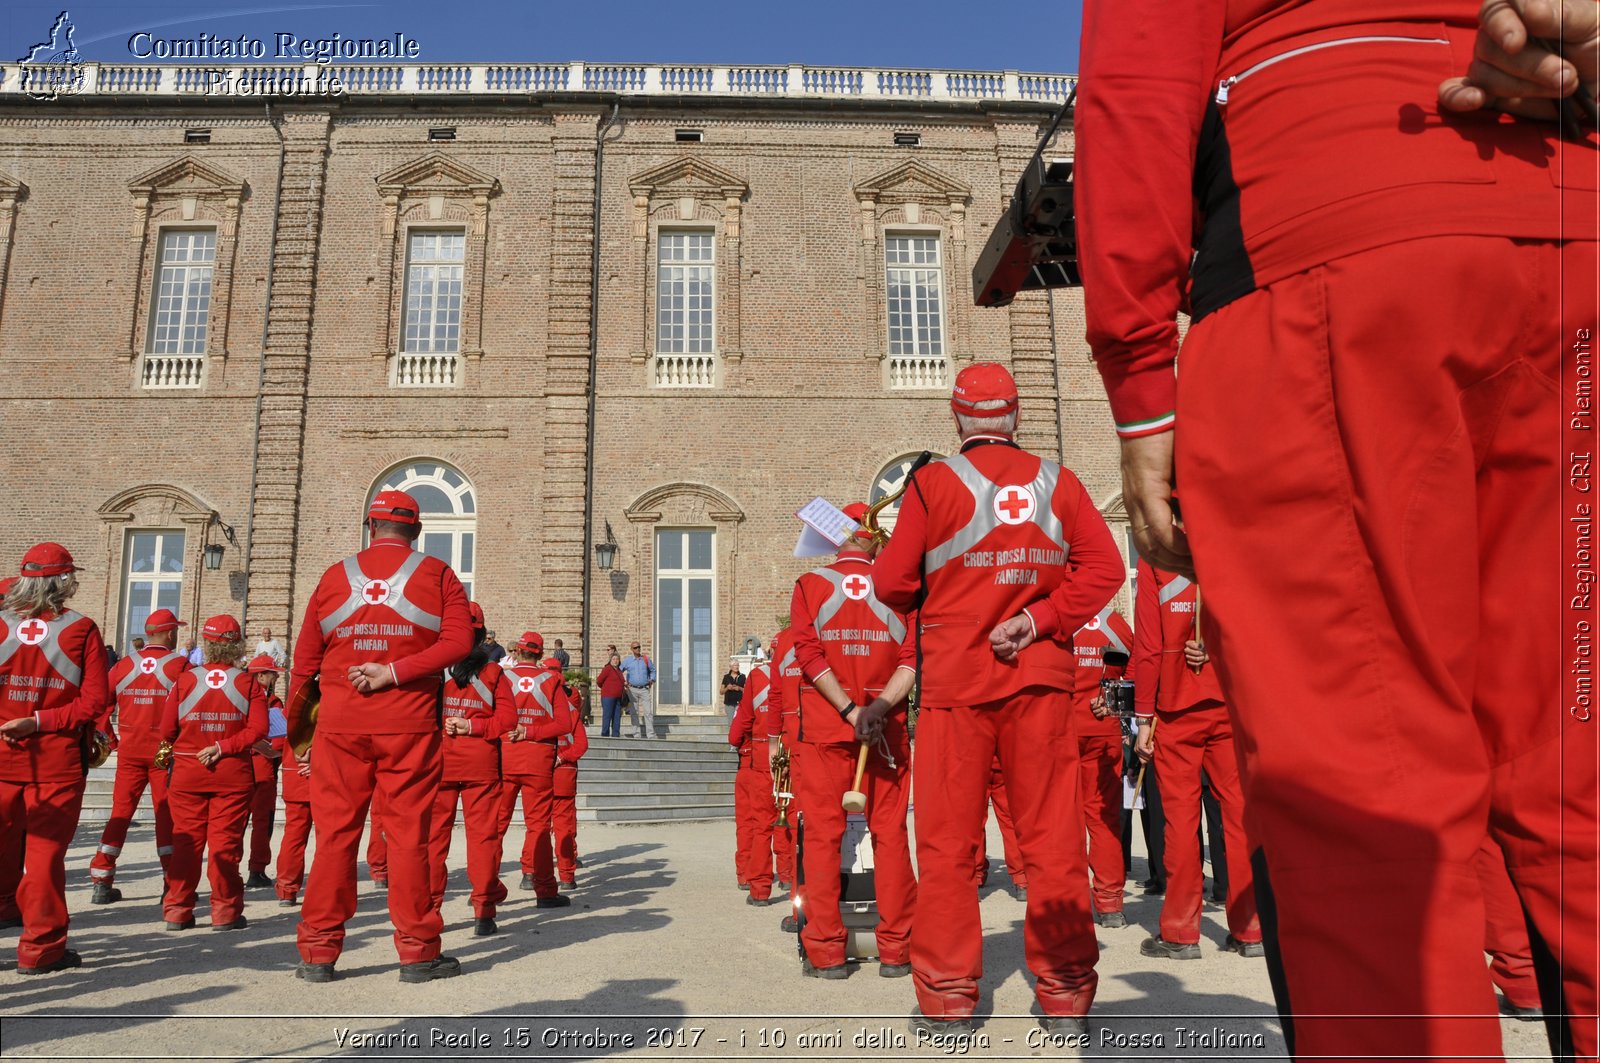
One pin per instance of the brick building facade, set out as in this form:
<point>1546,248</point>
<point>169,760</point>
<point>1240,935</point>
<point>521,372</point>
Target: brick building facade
<point>226,314</point>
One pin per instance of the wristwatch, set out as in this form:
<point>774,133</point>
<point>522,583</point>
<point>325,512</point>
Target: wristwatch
<point>849,707</point>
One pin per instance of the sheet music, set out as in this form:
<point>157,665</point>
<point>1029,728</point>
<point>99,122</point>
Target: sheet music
<point>827,520</point>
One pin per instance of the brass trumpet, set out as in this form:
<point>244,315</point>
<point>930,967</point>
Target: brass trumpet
<point>869,519</point>
<point>780,787</point>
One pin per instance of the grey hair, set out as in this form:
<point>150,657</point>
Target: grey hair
<point>35,595</point>
<point>1005,424</point>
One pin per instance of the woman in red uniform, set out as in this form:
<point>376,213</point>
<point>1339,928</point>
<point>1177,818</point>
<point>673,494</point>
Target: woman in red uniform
<point>478,709</point>
<point>570,747</point>
<point>296,827</point>
<point>264,764</point>
<point>213,716</point>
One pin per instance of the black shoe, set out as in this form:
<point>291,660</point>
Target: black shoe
<point>287,902</point>
<point>314,972</point>
<point>1152,888</point>
<point>105,893</point>
<point>187,924</point>
<point>1244,948</point>
<point>428,970</point>
<point>1159,946</point>
<point>526,883</point>
<point>1110,919</point>
<point>893,970</point>
<point>745,886</point>
<point>1511,1011</point>
<point>238,924</point>
<point>939,1028</point>
<point>790,925</point>
<point>579,863</point>
<point>382,884</point>
<point>569,883</point>
<point>66,961</point>
<point>782,887</point>
<point>258,880</point>
<point>557,901</point>
<point>833,974</point>
<point>759,902</point>
<point>484,926</point>
<point>1020,893</point>
<point>1064,1025</point>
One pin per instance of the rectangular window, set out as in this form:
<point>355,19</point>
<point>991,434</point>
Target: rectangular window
<point>914,285</point>
<point>152,579</point>
<point>685,617</point>
<point>435,263</point>
<point>685,293</point>
<point>182,302</point>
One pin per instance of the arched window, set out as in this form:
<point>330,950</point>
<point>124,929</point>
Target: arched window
<point>890,480</point>
<point>449,512</point>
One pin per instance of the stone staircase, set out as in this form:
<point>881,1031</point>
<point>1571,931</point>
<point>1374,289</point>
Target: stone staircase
<point>687,774</point>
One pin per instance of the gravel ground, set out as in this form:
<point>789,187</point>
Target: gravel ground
<point>659,957</point>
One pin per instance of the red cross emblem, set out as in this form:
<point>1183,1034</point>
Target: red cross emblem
<point>216,679</point>
<point>32,632</point>
<point>1092,625</point>
<point>525,684</point>
<point>857,587</point>
<point>147,665</point>
<point>1014,505</point>
<point>376,592</point>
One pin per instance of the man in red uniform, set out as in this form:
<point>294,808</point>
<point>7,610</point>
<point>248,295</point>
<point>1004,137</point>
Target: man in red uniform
<point>528,764</point>
<point>1175,677</point>
<point>1388,301</point>
<point>570,748</point>
<point>853,651</point>
<point>380,629</point>
<point>53,674</point>
<point>266,755</point>
<point>783,732</point>
<point>754,807</point>
<point>1004,551</point>
<point>1008,837</point>
<point>478,709</point>
<point>296,786</point>
<point>213,716</point>
<point>1100,756</point>
<point>139,685</point>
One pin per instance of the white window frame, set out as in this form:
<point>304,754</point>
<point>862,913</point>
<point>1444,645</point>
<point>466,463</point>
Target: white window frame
<point>461,520</point>
<point>685,366</point>
<point>425,358</point>
<point>179,362</point>
<point>685,642</point>
<point>922,367</point>
<point>155,578</point>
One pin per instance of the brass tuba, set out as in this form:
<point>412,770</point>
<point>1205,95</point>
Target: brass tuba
<point>869,519</point>
<point>301,715</point>
<point>780,787</point>
<point>163,757</point>
<point>99,748</point>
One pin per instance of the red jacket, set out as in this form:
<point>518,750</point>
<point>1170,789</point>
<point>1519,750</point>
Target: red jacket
<point>393,605</point>
<point>1164,619</point>
<point>543,711</point>
<point>996,532</point>
<point>265,767</point>
<point>54,669</point>
<point>292,786</point>
<point>750,727</point>
<point>611,682</point>
<point>841,626</point>
<point>488,705</point>
<point>1314,154</point>
<point>783,701</point>
<point>212,705</point>
<point>571,746</point>
<point>139,686</point>
<point>1107,631</point>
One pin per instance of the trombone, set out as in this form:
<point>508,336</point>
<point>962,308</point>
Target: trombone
<point>781,796</point>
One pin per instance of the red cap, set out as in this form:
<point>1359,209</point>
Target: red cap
<point>263,664</point>
<point>476,611</point>
<point>984,382</point>
<point>553,665</point>
<point>396,507</point>
<point>48,559</point>
<point>857,511</point>
<point>530,640</point>
<point>222,629</point>
<point>163,620</point>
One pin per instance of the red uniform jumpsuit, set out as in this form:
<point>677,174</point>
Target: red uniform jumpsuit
<point>1389,306</point>
<point>210,705</point>
<point>296,827</point>
<point>528,768</point>
<point>841,626</point>
<point>1505,933</point>
<point>140,683</point>
<point>783,722</point>
<point>1194,734</point>
<point>53,668</point>
<point>1008,833</point>
<point>403,608</point>
<point>995,532</point>
<point>264,798</point>
<point>472,781</point>
<point>1100,752</point>
<point>570,748</point>
<point>377,845</point>
<point>754,806</point>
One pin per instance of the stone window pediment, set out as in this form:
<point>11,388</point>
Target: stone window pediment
<point>11,190</point>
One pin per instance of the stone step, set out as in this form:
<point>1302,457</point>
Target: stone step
<point>658,814</point>
<point>649,796</point>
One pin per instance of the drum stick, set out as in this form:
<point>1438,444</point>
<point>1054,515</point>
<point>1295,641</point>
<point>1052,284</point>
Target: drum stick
<point>1139,782</point>
<point>855,800</point>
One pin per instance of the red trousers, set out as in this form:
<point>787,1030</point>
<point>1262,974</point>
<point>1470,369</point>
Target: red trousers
<point>1031,733</point>
<point>402,771</point>
<point>292,849</point>
<point>564,819</point>
<point>1186,742</point>
<point>1100,773</point>
<point>377,846</point>
<point>46,813</point>
<point>480,815</point>
<point>12,845</point>
<point>263,811</point>
<point>1371,459</point>
<point>755,810</point>
<point>202,822</point>
<point>132,776</point>
<point>1505,935</point>
<point>538,857</point>
<point>825,772</point>
<point>1008,833</point>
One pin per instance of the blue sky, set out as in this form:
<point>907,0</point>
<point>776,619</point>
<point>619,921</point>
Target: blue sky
<point>924,33</point>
